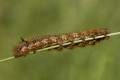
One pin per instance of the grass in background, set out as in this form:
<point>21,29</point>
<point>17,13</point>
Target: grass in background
<point>29,18</point>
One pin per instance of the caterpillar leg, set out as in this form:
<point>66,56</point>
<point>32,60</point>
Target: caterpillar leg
<point>60,48</point>
<point>82,44</point>
<point>106,37</point>
<point>59,42</point>
<point>24,54</point>
<point>34,51</point>
<point>71,46</point>
<point>92,42</point>
<point>71,39</point>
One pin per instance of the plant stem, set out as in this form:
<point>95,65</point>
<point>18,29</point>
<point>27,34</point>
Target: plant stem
<point>56,46</point>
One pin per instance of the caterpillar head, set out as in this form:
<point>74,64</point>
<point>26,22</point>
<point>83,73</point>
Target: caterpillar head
<point>19,51</point>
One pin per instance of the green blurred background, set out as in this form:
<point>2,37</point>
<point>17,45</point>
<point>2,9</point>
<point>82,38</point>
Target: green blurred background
<point>28,18</point>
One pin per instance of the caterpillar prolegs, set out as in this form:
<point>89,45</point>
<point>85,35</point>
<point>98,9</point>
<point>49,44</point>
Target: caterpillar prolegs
<point>31,45</point>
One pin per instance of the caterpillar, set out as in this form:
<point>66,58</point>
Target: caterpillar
<point>31,45</point>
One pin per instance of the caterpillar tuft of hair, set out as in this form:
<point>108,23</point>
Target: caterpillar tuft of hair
<point>32,45</point>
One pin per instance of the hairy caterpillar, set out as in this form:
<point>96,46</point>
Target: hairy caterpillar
<point>33,44</point>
